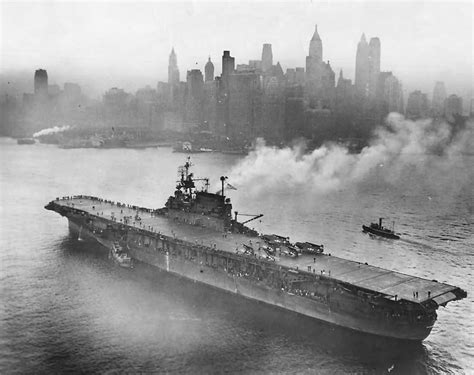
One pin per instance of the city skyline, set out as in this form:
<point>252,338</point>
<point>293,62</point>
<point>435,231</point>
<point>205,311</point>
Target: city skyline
<point>130,47</point>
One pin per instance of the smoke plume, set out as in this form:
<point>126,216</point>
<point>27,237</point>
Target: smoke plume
<point>428,150</point>
<point>54,129</point>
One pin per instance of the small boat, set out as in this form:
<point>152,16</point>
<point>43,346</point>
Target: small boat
<point>379,230</point>
<point>120,257</point>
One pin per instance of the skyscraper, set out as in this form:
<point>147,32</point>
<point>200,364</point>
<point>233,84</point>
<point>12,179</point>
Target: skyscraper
<point>362,67</point>
<point>228,67</point>
<point>41,82</point>
<point>439,98</point>
<point>194,96</point>
<point>267,58</point>
<point>209,71</point>
<point>373,66</point>
<point>316,46</point>
<point>173,71</point>
<point>228,64</point>
<point>392,94</point>
<point>320,78</point>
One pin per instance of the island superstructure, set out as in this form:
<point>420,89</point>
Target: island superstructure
<point>196,236</point>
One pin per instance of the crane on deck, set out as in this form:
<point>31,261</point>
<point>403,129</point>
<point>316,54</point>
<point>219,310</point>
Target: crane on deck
<point>254,217</point>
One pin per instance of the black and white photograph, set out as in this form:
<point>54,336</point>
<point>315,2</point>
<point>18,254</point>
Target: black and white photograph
<point>237,187</point>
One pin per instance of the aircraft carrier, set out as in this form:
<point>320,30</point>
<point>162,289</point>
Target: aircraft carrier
<point>196,236</point>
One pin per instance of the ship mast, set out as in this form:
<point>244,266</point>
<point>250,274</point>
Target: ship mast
<point>186,182</point>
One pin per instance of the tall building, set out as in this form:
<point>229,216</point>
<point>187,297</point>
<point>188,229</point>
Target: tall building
<point>367,68</point>
<point>417,105</point>
<point>373,66</point>
<point>209,71</point>
<point>453,107</point>
<point>194,97</point>
<point>439,98</point>
<point>362,67</point>
<point>320,78</point>
<point>392,94</point>
<point>267,58</point>
<point>316,46</point>
<point>41,82</point>
<point>388,95</point>
<point>209,106</point>
<point>228,65</point>
<point>173,71</point>
<point>242,105</point>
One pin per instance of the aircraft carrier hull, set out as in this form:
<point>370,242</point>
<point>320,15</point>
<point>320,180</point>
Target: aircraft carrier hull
<point>330,303</point>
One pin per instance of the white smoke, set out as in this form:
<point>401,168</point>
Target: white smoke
<point>54,129</point>
<point>429,148</point>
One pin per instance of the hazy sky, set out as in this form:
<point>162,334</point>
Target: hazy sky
<point>126,44</point>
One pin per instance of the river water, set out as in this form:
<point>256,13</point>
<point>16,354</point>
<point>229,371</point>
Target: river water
<point>64,307</point>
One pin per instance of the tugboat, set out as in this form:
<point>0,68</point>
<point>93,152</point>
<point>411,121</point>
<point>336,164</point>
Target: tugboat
<point>379,230</point>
